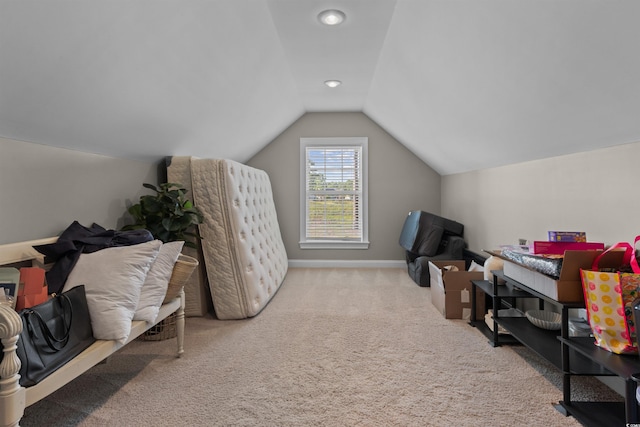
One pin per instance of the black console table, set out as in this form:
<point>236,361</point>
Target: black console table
<point>571,355</point>
<point>626,367</point>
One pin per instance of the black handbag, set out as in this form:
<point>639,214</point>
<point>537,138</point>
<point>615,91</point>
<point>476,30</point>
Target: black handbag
<point>53,333</point>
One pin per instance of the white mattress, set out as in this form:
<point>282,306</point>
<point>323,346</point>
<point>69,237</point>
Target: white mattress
<point>244,254</point>
<point>197,297</point>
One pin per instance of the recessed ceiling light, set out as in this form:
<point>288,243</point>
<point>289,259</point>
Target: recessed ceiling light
<point>331,17</point>
<point>333,83</point>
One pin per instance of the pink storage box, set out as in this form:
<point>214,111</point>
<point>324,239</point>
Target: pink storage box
<point>558,248</point>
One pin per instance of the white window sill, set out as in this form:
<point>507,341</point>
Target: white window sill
<point>333,244</point>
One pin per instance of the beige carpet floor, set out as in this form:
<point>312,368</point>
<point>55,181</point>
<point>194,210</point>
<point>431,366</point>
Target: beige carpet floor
<point>335,347</point>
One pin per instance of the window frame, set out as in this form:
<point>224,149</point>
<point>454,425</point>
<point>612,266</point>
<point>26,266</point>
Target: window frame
<point>347,142</point>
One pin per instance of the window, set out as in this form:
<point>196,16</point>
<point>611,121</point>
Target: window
<point>333,193</point>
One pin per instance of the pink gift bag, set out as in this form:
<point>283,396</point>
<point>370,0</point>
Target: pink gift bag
<point>608,297</point>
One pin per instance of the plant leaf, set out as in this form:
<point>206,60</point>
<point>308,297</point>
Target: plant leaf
<point>150,186</point>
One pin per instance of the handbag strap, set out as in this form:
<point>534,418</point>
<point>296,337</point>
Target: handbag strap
<point>634,261</point>
<point>49,337</point>
<point>629,257</point>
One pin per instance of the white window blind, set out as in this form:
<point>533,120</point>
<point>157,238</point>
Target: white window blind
<point>334,200</point>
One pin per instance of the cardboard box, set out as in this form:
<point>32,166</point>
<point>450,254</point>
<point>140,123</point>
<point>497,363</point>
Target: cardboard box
<point>451,290</point>
<point>568,287</point>
<point>558,248</point>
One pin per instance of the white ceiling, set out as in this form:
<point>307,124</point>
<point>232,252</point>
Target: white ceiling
<point>464,84</point>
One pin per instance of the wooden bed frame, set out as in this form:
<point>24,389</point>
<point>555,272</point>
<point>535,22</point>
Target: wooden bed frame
<point>14,398</point>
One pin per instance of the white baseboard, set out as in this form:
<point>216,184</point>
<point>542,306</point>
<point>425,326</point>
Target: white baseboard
<point>339,263</point>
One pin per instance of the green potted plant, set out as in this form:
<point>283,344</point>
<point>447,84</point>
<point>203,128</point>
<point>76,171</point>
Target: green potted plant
<point>167,214</point>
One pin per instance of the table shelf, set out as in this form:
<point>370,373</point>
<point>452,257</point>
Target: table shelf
<point>573,356</point>
<point>595,414</point>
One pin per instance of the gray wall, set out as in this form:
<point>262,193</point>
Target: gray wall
<point>594,191</point>
<point>398,182</point>
<point>44,189</point>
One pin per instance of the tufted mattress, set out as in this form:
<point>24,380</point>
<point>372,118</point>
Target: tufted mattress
<point>244,254</point>
<point>197,296</point>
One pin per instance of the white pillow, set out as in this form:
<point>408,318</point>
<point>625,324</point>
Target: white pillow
<point>474,266</point>
<point>155,285</point>
<point>113,278</point>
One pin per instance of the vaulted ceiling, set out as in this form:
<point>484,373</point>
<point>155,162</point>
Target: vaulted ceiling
<point>463,84</point>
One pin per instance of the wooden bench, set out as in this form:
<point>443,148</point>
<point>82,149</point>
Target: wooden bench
<point>15,398</point>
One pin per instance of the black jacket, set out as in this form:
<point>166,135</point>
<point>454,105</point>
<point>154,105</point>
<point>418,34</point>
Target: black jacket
<point>77,239</point>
